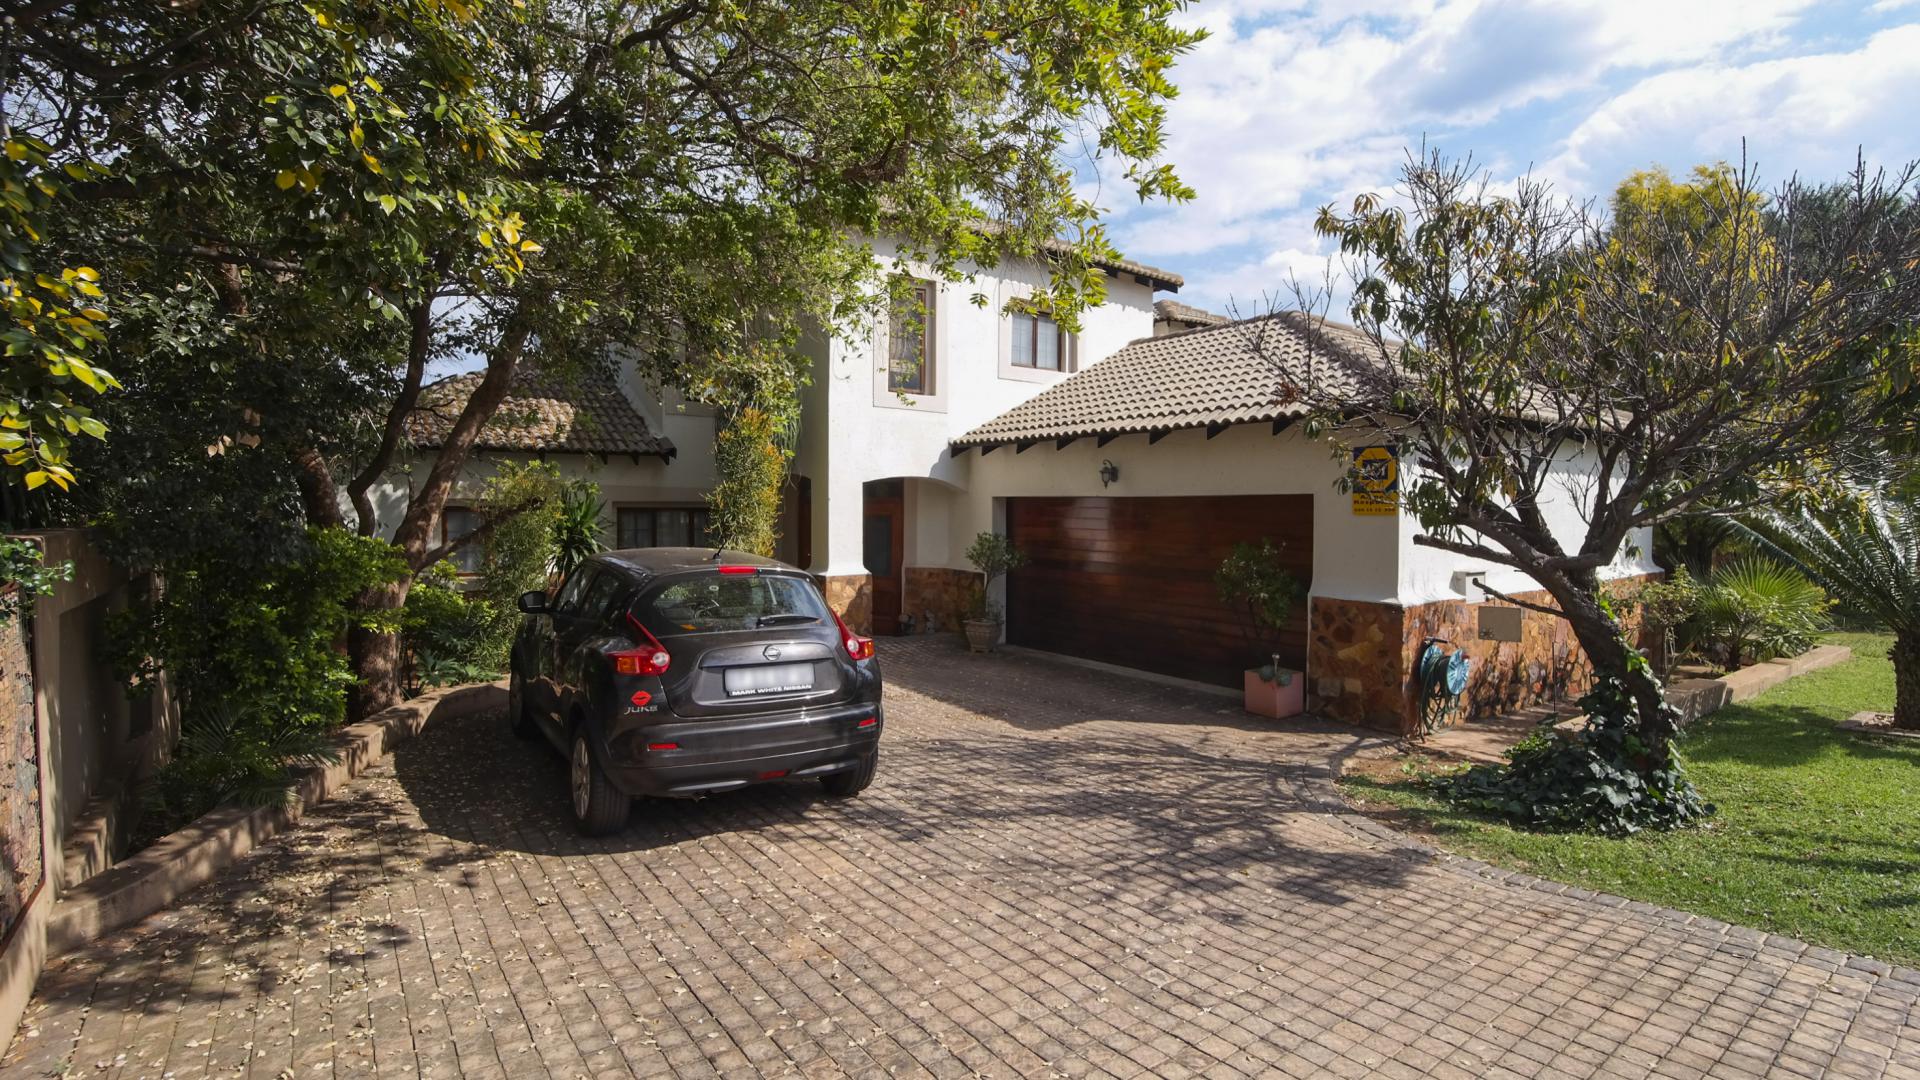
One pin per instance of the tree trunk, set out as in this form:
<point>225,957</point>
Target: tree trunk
<point>1906,681</point>
<point>1612,657</point>
<point>376,657</point>
<point>378,662</point>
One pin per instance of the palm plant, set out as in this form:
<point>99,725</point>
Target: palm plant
<point>1867,554</point>
<point>577,528</point>
<point>1757,609</point>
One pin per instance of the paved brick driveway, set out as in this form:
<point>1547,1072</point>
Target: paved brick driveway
<point>1058,873</point>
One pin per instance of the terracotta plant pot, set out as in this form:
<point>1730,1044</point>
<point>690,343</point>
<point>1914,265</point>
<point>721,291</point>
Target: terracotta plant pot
<point>1285,696</point>
<point>982,634</point>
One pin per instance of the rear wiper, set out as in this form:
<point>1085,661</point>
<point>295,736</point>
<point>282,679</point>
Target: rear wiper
<point>784,618</point>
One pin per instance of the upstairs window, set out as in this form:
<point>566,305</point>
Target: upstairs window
<point>910,341</point>
<point>1038,342</point>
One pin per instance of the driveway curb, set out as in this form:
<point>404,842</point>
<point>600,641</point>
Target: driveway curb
<point>179,862</point>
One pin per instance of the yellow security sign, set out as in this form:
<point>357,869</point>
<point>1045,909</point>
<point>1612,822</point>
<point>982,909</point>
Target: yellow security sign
<point>1376,480</point>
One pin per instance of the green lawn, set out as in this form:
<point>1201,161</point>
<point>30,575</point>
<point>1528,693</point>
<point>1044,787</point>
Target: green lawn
<point>1817,835</point>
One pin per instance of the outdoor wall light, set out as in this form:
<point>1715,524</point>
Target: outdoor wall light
<point>1109,472</point>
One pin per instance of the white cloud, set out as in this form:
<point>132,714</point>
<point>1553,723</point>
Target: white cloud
<point>1804,113</point>
<point>1292,104</point>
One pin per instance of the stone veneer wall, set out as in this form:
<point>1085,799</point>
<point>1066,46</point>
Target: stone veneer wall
<point>938,589</point>
<point>851,596</point>
<point>1361,659</point>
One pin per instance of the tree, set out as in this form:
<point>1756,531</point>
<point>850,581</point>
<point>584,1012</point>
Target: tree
<point>1865,551</point>
<point>364,187</point>
<point>1703,345</point>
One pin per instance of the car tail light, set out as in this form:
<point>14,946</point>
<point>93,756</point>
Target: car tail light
<point>650,659</point>
<point>739,569</point>
<point>663,746</point>
<point>868,722</point>
<point>774,775</point>
<point>858,647</point>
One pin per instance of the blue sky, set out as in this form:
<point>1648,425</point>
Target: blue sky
<point>1291,105</point>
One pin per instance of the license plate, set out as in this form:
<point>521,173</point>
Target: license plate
<point>768,679</point>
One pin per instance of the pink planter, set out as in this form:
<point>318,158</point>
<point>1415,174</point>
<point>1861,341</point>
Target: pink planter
<point>1276,699</point>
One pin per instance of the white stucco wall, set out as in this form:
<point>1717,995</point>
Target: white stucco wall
<point>623,482</point>
<point>854,431</point>
<point>1428,574</point>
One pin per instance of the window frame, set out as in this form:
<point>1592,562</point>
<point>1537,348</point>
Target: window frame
<point>927,382</point>
<point>446,537</point>
<point>1061,350</point>
<point>699,523</point>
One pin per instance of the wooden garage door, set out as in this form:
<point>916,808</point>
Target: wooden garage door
<point>1130,581</point>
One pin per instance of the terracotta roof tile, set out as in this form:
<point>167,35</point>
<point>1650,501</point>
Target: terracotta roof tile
<point>1213,375</point>
<point>543,414</point>
<point>1175,311</point>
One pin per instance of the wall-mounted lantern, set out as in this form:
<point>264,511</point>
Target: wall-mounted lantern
<point>1109,473</point>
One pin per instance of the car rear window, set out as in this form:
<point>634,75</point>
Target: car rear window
<point>713,603</point>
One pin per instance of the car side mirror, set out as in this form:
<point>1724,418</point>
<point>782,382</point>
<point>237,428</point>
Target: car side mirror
<point>533,602</point>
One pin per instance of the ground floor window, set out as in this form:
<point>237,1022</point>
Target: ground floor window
<point>663,526</point>
<point>456,522</point>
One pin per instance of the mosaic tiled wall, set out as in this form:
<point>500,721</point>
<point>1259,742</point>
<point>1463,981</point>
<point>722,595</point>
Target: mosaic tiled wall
<point>944,592</point>
<point>1362,656</point>
<point>21,858</point>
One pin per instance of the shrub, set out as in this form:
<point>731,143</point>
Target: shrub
<point>577,527</point>
<point>254,662</point>
<point>1755,609</point>
<point>1259,588</point>
<point>226,757</point>
<point>448,634</point>
<point>522,501</point>
<point>1603,780</point>
<point>751,466</point>
<point>994,556</point>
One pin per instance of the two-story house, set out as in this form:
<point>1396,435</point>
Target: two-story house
<point>1125,459</point>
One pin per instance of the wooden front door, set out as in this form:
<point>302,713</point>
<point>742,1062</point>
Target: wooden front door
<point>1130,581</point>
<point>883,549</point>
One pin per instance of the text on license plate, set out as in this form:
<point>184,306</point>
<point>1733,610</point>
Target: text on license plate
<point>768,679</point>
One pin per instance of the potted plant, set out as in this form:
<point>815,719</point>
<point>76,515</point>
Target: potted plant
<point>993,556</point>
<point>1253,582</point>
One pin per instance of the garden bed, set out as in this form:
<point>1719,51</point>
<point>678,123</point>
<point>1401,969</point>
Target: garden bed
<point>1813,835</point>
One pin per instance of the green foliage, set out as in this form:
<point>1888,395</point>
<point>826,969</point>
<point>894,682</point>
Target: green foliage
<point>519,508</point>
<point>579,526</point>
<point>751,466</point>
<point>262,645</point>
<point>53,333</point>
<point>228,758</point>
<point>1256,584</point>
<point>1668,603</point>
<point>1864,549</point>
<point>994,556</point>
<point>448,632</point>
<point>1756,609</point>
<point>254,662</point>
<point>22,564</point>
<point>1604,780</point>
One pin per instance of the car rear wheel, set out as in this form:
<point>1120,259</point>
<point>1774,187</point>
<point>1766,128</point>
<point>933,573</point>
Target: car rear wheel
<point>847,784</point>
<point>598,807</point>
<point>518,719</point>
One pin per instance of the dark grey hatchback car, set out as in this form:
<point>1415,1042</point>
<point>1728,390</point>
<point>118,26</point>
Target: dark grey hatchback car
<point>690,671</point>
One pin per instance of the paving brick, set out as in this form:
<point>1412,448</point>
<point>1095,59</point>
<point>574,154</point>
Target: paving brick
<point>1057,873</point>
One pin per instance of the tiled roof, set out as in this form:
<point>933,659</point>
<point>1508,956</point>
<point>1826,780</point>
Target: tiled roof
<point>586,415</point>
<point>1207,377</point>
<point>1175,311</point>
